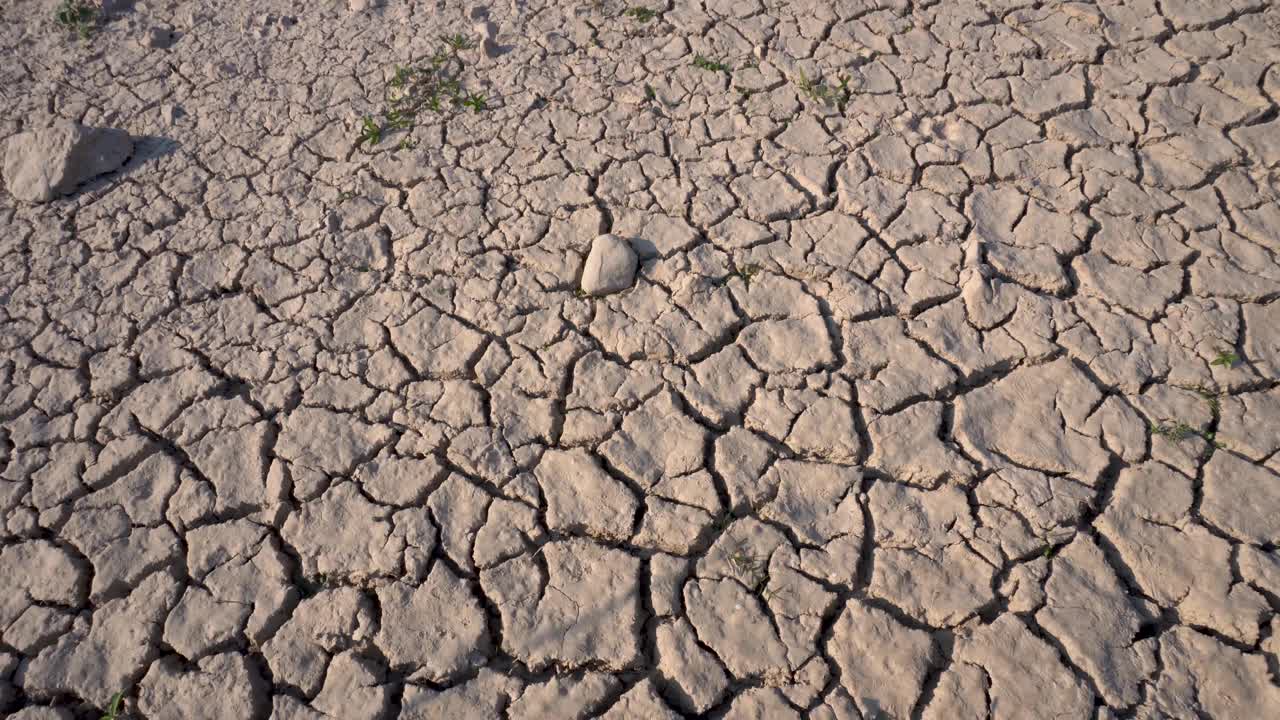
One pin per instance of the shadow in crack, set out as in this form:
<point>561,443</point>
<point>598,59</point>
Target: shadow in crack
<point>146,150</point>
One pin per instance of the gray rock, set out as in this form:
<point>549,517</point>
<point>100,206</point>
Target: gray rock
<point>40,165</point>
<point>610,266</point>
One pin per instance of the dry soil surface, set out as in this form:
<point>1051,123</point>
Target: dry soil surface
<point>946,388</point>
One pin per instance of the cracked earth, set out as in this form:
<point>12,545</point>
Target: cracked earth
<point>947,385</point>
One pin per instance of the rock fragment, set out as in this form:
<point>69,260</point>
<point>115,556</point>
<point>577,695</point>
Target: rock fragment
<point>40,165</point>
<point>610,266</point>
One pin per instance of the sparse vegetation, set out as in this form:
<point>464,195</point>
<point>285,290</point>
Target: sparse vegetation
<point>710,65</point>
<point>748,568</point>
<point>457,42</point>
<point>1226,358</point>
<point>1176,432</point>
<point>434,85</point>
<point>820,92</point>
<point>76,16</point>
<point>114,707</point>
<point>747,272</point>
<point>640,14</point>
<point>370,132</point>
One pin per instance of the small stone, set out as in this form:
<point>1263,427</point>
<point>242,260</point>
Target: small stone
<point>610,267</point>
<point>42,164</point>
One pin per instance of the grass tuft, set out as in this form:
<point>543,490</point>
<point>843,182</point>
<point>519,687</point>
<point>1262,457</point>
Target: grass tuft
<point>640,14</point>
<point>433,85</point>
<point>711,65</point>
<point>1226,358</point>
<point>114,707</point>
<point>76,16</point>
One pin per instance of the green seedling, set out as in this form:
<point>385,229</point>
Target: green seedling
<point>1176,432</point>
<point>1215,404</point>
<point>748,568</point>
<point>649,93</point>
<point>433,86</point>
<point>476,102</point>
<point>370,132</point>
<point>711,65</point>
<point>457,42</point>
<point>747,272</point>
<point>114,707</point>
<point>77,16</point>
<point>844,93</point>
<point>640,14</point>
<point>1225,358</point>
<point>814,91</point>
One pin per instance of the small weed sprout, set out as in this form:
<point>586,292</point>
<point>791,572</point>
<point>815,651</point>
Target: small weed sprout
<point>114,707</point>
<point>640,14</point>
<point>747,273</point>
<point>370,132</point>
<point>77,16</point>
<point>1226,358</point>
<point>457,42</point>
<point>820,92</point>
<point>749,569</point>
<point>709,65</point>
<point>1176,432</point>
<point>431,86</point>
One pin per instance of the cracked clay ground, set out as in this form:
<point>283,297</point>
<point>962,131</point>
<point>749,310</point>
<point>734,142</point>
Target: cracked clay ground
<point>948,386</point>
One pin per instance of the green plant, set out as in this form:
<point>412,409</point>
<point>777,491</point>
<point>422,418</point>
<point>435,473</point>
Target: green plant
<point>434,85</point>
<point>1211,398</point>
<point>641,14</point>
<point>370,132</point>
<point>476,102</point>
<point>819,91</point>
<point>711,65</point>
<point>649,93</point>
<point>845,93</point>
<point>1176,432</point>
<point>816,91</point>
<point>77,16</point>
<point>1226,358</point>
<point>747,567</point>
<point>747,272</point>
<point>457,42</point>
<point>114,707</point>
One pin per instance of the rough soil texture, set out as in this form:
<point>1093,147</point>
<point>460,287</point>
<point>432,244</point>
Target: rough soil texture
<point>947,386</point>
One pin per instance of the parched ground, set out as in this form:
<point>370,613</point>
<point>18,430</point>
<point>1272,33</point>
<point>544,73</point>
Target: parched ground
<point>948,387</point>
